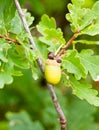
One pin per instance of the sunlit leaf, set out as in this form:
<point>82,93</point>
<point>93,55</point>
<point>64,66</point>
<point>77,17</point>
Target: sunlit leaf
<point>46,23</point>
<point>79,17</point>
<point>51,36</point>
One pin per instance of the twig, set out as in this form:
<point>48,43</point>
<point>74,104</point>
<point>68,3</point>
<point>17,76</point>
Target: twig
<point>63,49</point>
<point>62,118</point>
<point>10,40</point>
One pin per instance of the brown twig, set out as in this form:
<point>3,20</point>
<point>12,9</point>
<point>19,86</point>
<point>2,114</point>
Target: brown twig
<point>10,40</point>
<point>62,118</point>
<point>63,49</point>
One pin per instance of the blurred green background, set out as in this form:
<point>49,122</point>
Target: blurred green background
<point>26,104</point>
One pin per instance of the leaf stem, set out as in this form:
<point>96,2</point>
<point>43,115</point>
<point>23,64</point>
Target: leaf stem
<point>61,115</point>
<point>10,40</point>
<point>63,49</point>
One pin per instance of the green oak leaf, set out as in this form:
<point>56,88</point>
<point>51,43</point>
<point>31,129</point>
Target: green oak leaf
<point>3,56</point>
<point>51,36</point>
<point>79,17</point>
<point>4,47</point>
<point>7,12</point>
<point>71,63</point>
<point>90,62</point>
<point>93,28</point>
<point>56,36</point>
<point>46,23</point>
<point>84,91</point>
<point>10,68</point>
<point>20,61</point>
<point>7,7</point>
<point>16,26</point>
<point>5,78</point>
<point>28,17</point>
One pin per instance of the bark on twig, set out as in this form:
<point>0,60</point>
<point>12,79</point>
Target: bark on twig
<point>62,118</point>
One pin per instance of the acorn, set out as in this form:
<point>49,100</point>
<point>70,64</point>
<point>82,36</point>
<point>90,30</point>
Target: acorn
<point>52,71</point>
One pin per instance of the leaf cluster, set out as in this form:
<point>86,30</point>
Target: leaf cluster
<point>16,52</point>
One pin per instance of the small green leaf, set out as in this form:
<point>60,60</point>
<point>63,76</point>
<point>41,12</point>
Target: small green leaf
<point>51,36</point>
<point>15,25</point>
<point>45,23</point>
<point>55,35</point>
<point>20,61</point>
<point>93,28</point>
<point>3,56</point>
<point>71,63</point>
<point>78,17</point>
<point>84,91</point>
<point>5,78</point>
<point>90,62</point>
<point>4,47</point>
<point>7,7</point>
<point>28,17</point>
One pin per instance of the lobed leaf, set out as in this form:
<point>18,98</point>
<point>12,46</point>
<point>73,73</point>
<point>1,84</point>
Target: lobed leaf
<point>51,36</point>
<point>79,17</point>
<point>18,60</point>
<point>5,78</point>
<point>4,47</point>
<point>71,63</point>
<point>15,25</point>
<point>83,19</point>
<point>46,23</point>
<point>93,28</point>
<point>84,91</point>
<point>90,62</point>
